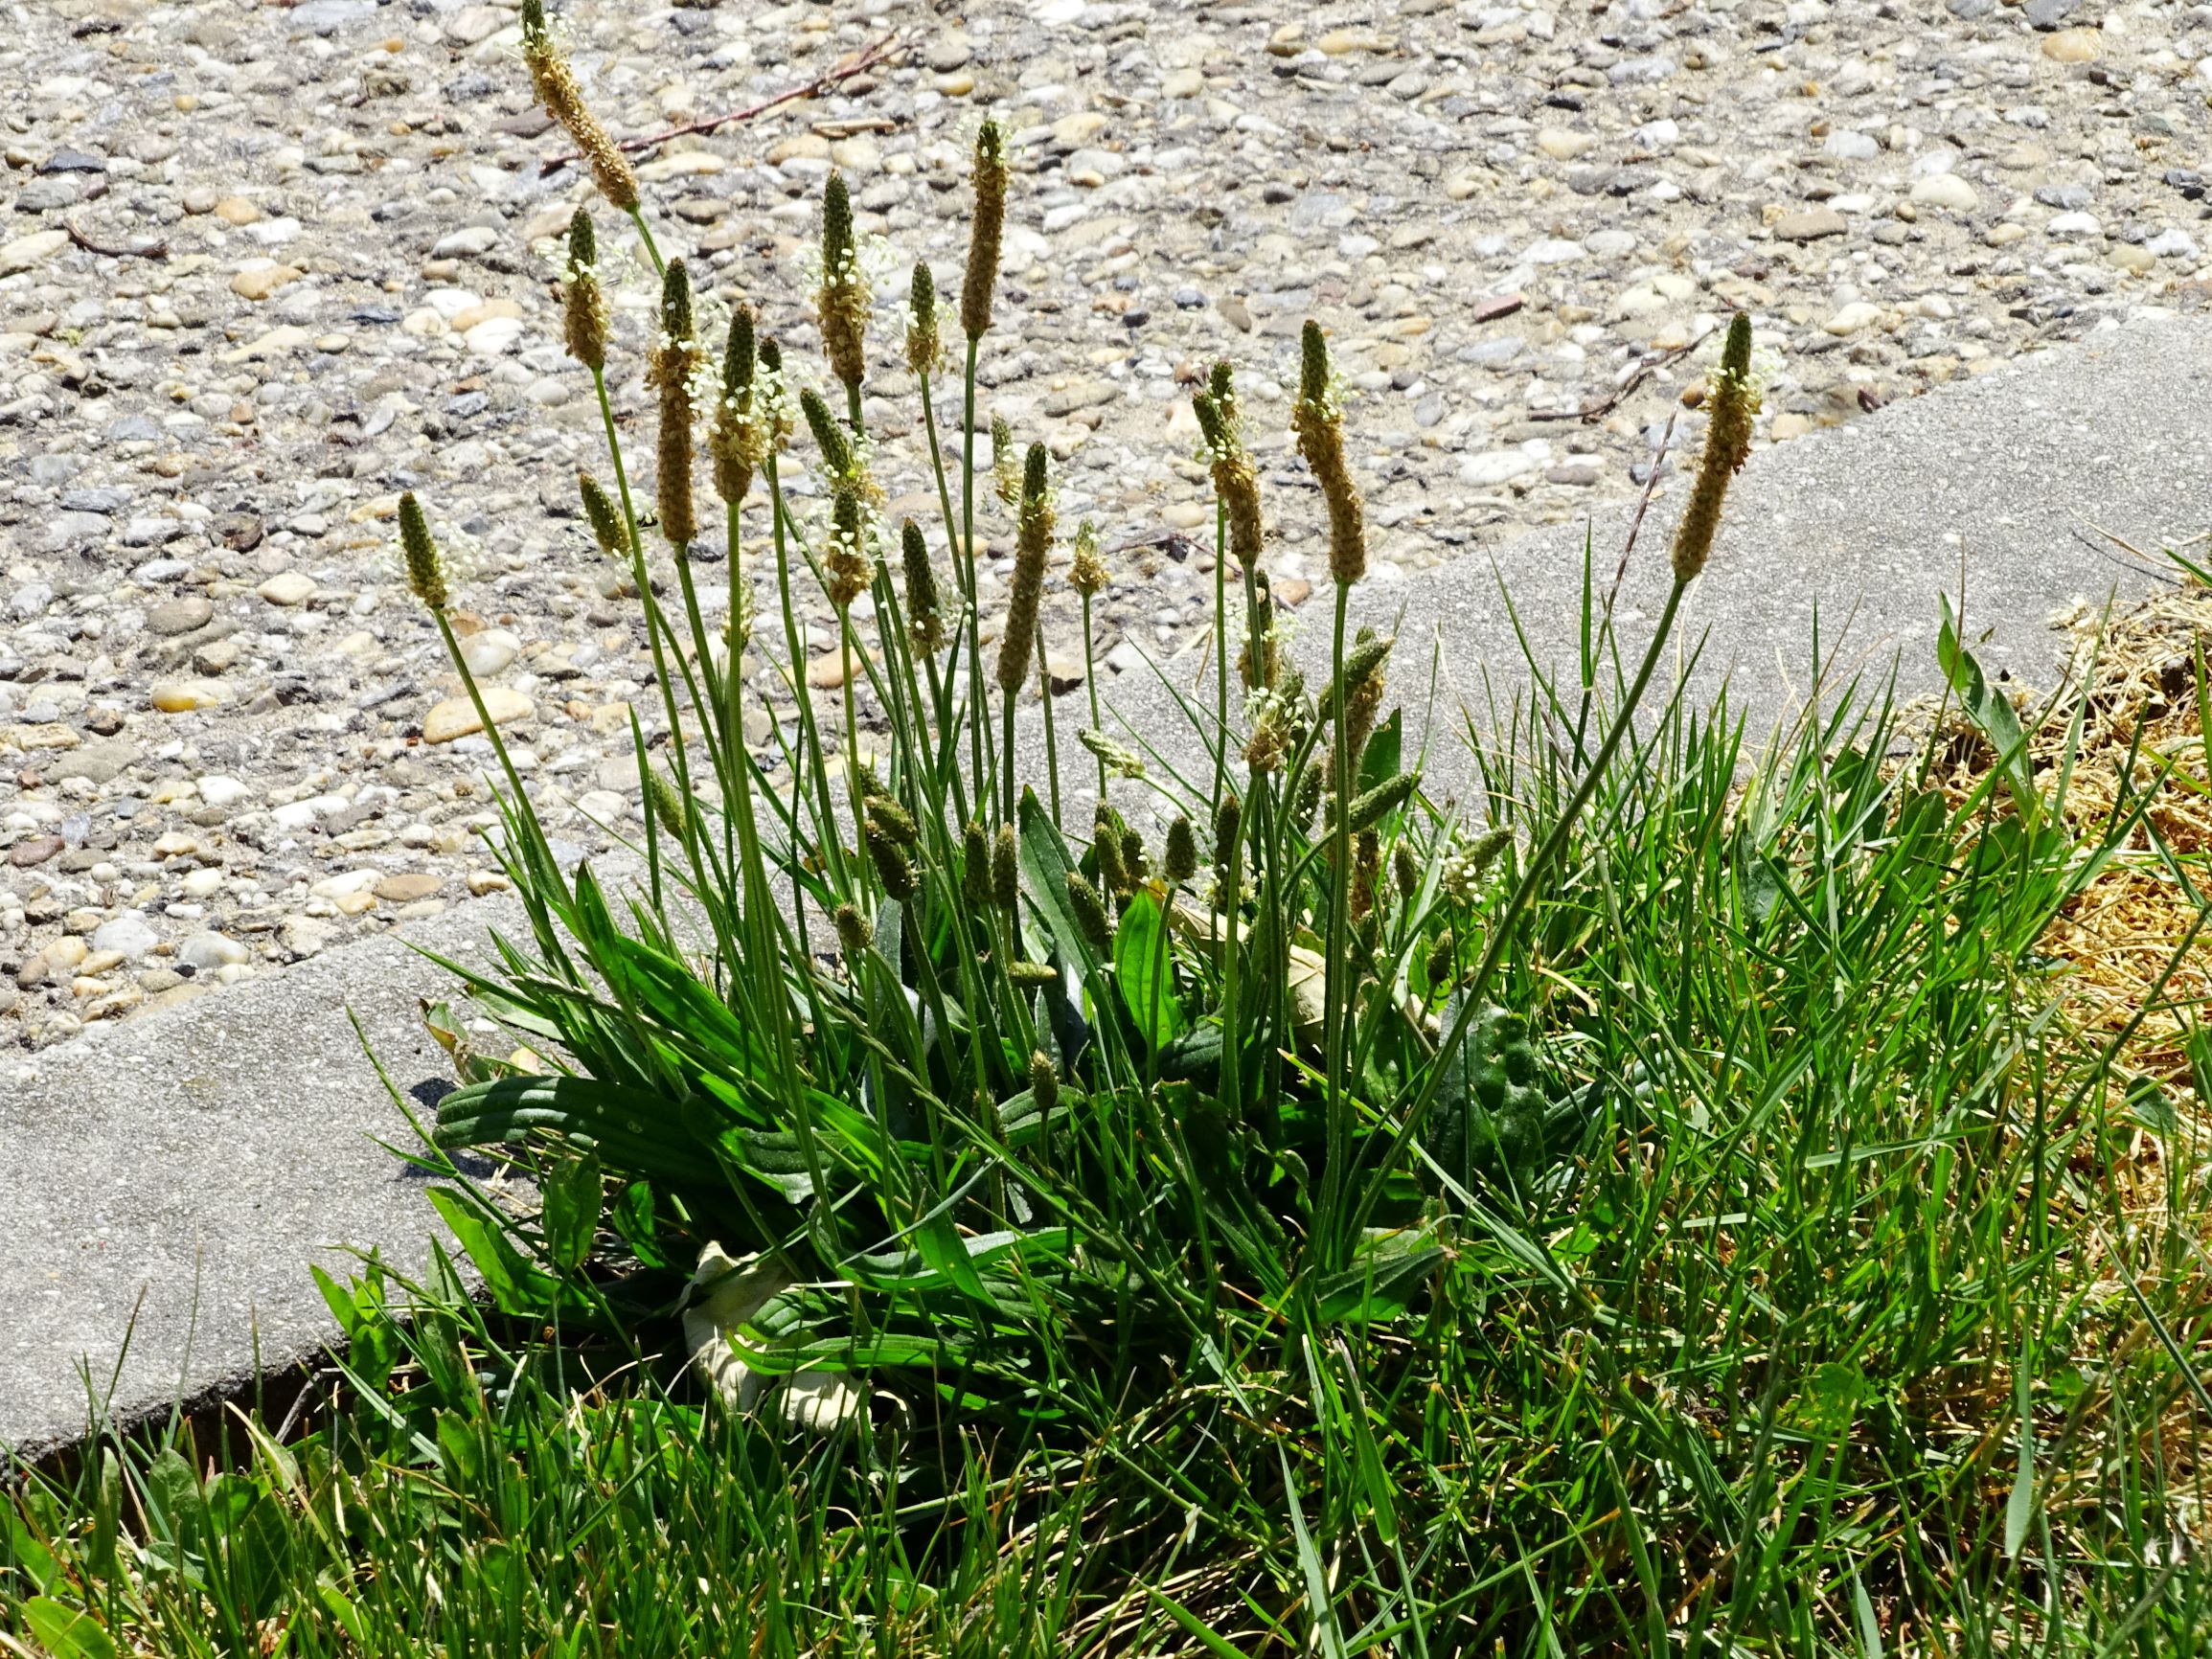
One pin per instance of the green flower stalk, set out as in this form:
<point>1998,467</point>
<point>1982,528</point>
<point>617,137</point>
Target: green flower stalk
<point>841,301</point>
<point>925,343</point>
<point>1318,421</point>
<point>925,608</point>
<point>553,80</point>
<point>735,440</point>
<point>604,517</point>
<point>426,570</point>
<point>1033,541</point>
<point>1732,404</point>
<point>583,306</point>
<point>988,227</point>
<point>674,358</point>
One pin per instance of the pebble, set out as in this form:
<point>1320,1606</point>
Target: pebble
<point>457,716</point>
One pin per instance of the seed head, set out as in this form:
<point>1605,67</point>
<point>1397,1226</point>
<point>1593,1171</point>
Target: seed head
<point>844,566</point>
<point>1090,913</point>
<point>1732,400</point>
<point>1087,574</point>
<point>1005,869</point>
<point>668,802</point>
<point>991,180</point>
<point>924,344</point>
<point>1235,480</point>
<point>1106,845</point>
<point>1319,426</point>
<point>1120,762</point>
<point>887,818</point>
<point>600,512</point>
<point>893,867</point>
<point>553,80</point>
<point>1005,473</point>
<point>829,436</point>
<point>1368,810</point>
<point>841,303</point>
<point>853,934</point>
<point>776,413</point>
<point>426,570</point>
<point>975,866</point>
<point>673,360</point>
<point>583,312</point>
<point>1228,819</point>
<point>1181,861</point>
<point>1032,542</point>
<point>1221,382</point>
<point>735,440</point>
<point>1405,872</point>
<point>925,609</point>
<point>1043,1083</point>
<point>1366,873</point>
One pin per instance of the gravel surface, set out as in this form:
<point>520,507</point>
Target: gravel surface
<point>267,265</point>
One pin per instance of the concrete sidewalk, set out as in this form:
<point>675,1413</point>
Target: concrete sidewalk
<point>204,1155</point>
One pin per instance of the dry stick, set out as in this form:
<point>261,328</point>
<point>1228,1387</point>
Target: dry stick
<point>150,251</point>
<point>868,59</point>
<point>1605,405</point>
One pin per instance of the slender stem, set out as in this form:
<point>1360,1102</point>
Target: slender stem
<point>644,234</point>
<point>1090,679</point>
<point>1051,744</point>
<point>964,555</point>
<point>1221,650</point>
<point>1335,993</point>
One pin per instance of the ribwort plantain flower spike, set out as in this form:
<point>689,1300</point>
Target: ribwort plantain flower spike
<point>925,608</point>
<point>925,343</point>
<point>1005,869</point>
<point>1090,913</point>
<point>845,565</point>
<point>1043,1083</point>
<point>1032,542</point>
<point>829,436</point>
<point>1181,861</point>
<point>1318,421</point>
<point>853,933</point>
<point>841,303</point>
<point>668,802</point>
<point>893,867</point>
<point>1228,819</point>
<point>1235,480</point>
<point>975,866</point>
<point>734,440</point>
<point>1732,402</point>
<point>553,80</point>
<point>1005,471</point>
<point>776,416</point>
<point>583,312</point>
<point>673,360</point>
<point>1087,574</point>
<point>605,519</point>
<point>426,570</point>
<point>990,181</point>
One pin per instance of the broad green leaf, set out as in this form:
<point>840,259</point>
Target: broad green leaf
<point>1992,712</point>
<point>2020,1506</point>
<point>1144,974</point>
<point>572,1202</point>
<point>64,1632</point>
<point>516,1286</point>
<point>175,1492</point>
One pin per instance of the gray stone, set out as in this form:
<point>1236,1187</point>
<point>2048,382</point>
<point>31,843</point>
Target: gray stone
<point>131,933</point>
<point>179,615</point>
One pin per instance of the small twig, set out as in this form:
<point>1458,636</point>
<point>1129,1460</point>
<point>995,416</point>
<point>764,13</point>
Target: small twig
<point>868,59</point>
<point>1605,405</point>
<point>150,251</point>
